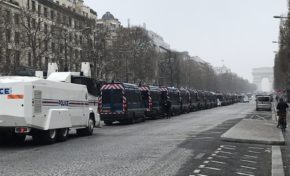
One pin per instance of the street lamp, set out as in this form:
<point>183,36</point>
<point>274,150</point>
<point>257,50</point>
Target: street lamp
<point>281,17</point>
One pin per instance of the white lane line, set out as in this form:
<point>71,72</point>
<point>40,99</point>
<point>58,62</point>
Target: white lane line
<point>197,171</point>
<point>247,167</point>
<point>199,156</point>
<point>203,138</point>
<point>210,158</point>
<point>240,173</point>
<point>218,162</point>
<point>219,156</point>
<point>213,132</point>
<point>201,166</point>
<point>248,156</point>
<point>258,148</point>
<point>212,168</point>
<point>205,162</point>
<point>228,148</point>
<point>231,146</point>
<point>226,152</point>
<point>248,161</point>
<point>250,151</point>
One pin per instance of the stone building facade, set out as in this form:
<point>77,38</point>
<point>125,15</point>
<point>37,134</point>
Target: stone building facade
<point>35,32</point>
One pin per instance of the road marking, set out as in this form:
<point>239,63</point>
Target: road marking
<point>259,148</point>
<point>209,158</point>
<point>228,148</point>
<point>247,167</point>
<point>201,166</point>
<point>199,156</point>
<point>240,173</point>
<point>196,171</point>
<point>250,151</point>
<point>212,168</point>
<point>219,162</point>
<point>226,152</point>
<point>248,161</point>
<point>205,162</point>
<point>231,146</point>
<point>203,138</point>
<point>219,156</point>
<point>213,132</point>
<point>248,156</point>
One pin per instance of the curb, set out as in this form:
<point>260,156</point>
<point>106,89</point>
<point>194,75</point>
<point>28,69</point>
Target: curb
<point>252,141</point>
<point>277,163</point>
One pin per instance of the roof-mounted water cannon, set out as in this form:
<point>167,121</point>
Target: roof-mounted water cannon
<point>52,67</point>
<point>86,69</point>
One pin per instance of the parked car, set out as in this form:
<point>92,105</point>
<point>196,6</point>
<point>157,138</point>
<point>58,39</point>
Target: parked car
<point>263,102</point>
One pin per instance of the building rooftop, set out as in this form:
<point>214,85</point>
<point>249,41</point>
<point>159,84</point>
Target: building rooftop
<point>108,16</point>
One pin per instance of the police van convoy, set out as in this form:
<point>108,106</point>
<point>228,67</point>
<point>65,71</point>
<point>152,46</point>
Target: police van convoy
<point>47,108</point>
<point>128,103</point>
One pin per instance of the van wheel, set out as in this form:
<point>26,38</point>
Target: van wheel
<point>108,122</point>
<point>88,130</point>
<point>62,134</point>
<point>18,138</point>
<point>44,137</point>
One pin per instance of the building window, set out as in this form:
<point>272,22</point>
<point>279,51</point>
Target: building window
<point>28,4</point>
<point>39,9</point>
<point>7,16</point>
<point>8,35</point>
<point>52,15</point>
<point>70,22</point>
<point>33,23</point>
<point>53,47</point>
<point>45,28</point>
<point>17,58</point>
<point>16,19</point>
<point>29,59</point>
<point>45,12</point>
<point>8,54</point>
<point>33,6</point>
<point>16,38</point>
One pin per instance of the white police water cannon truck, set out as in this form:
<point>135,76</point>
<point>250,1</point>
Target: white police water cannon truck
<point>44,108</point>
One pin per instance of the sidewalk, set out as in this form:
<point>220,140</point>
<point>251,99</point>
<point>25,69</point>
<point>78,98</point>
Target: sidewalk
<point>263,132</point>
<point>255,131</point>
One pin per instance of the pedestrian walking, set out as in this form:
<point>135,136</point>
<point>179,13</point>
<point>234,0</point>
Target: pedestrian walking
<point>282,107</point>
<point>168,108</point>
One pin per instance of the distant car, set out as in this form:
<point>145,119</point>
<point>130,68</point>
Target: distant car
<point>263,102</point>
<point>246,99</point>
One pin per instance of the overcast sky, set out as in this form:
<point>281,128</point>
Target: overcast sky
<point>240,32</point>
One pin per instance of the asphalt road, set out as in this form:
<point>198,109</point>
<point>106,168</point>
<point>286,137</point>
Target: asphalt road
<point>182,145</point>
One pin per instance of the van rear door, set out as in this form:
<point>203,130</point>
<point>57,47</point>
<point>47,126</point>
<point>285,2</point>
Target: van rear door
<point>112,101</point>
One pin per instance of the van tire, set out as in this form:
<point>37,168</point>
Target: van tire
<point>62,134</point>
<point>44,137</point>
<point>18,138</point>
<point>89,130</point>
<point>108,122</point>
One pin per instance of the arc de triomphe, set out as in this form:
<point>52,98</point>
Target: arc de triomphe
<point>260,73</point>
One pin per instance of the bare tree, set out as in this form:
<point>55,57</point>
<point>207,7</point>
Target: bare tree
<point>35,36</point>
